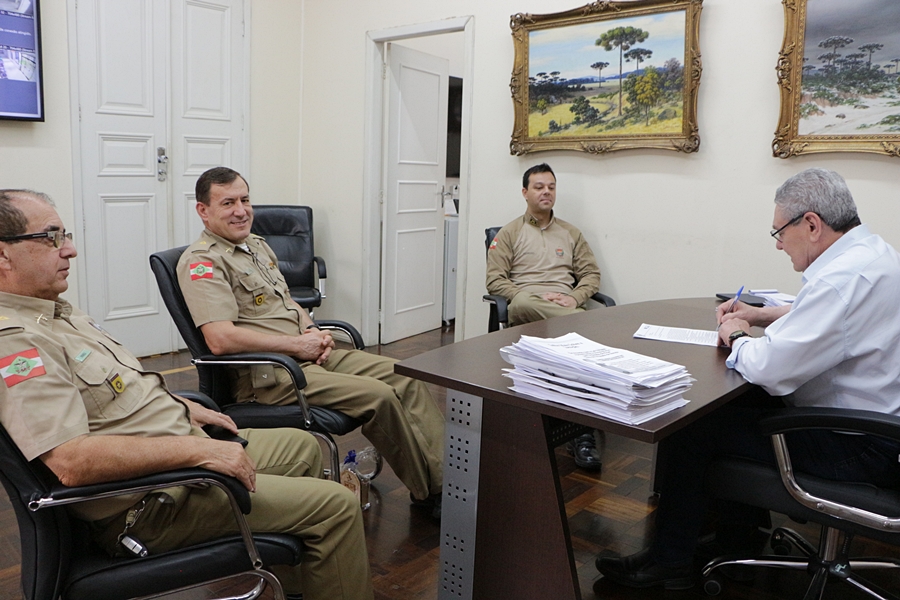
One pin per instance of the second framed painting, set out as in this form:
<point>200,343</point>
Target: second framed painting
<point>607,76</point>
<point>839,74</point>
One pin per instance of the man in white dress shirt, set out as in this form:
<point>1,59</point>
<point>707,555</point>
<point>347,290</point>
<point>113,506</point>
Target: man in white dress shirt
<point>837,345</point>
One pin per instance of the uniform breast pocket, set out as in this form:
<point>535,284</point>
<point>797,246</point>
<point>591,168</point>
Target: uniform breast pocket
<point>106,387</point>
<point>252,294</point>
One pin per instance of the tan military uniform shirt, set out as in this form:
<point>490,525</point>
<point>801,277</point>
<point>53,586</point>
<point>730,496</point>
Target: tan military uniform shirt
<point>525,258</point>
<point>224,282</point>
<point>64,377</point>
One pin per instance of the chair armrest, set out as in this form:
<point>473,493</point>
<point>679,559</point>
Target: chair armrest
<point>837,419</point>
<point>350,330</point>
<point>603,299</point>
<point>60,494</point>
<point>216,432</point>
<point>262,358</point>
<point>320,265</point>
<point>502,306</point>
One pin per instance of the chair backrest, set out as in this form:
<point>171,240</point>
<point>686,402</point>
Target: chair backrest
<point>289,232</point>
<point>45,536</point>
<point>213,382</point>
<point>489,234</point>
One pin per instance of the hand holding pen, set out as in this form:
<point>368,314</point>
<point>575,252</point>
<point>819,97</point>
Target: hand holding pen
<point>731,308</point>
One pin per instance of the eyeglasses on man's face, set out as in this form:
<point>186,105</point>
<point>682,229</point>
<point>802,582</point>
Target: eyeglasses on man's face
<point>57,236</point>
<point>777,233</point>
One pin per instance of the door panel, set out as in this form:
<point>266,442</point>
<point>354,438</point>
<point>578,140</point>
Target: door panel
<point>416,134</point>
<point>153,76</point>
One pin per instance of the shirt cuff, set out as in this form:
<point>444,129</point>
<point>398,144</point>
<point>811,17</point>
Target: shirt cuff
<point>735,350</point>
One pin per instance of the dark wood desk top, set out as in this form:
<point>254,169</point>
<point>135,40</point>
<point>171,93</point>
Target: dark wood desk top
<point>474,365</point>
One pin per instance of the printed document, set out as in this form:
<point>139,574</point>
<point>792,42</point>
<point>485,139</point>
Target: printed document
<point>701,337</point>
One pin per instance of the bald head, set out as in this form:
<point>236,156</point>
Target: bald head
<point>12,220</point>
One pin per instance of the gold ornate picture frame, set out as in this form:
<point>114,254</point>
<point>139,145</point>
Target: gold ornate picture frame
<point>607,76</point>
<point>838,74</point>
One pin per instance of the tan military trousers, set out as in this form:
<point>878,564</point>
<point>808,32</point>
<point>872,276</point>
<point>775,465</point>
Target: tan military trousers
<point>290,498</point>
<point>401,418</point>
<point>527,308</point>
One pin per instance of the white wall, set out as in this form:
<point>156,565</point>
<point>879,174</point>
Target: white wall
<point>36,155</point>
<point>663,224</point>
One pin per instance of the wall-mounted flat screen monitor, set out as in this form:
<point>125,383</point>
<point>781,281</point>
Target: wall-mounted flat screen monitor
<point>21,85</point>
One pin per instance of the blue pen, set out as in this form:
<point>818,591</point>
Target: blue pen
<point>737,297</point>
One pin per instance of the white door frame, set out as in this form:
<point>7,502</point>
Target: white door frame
<point>373,172</point>
<point>74,104</point>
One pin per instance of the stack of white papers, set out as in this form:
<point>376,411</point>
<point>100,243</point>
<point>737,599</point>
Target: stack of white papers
<point>610,382</point>
<point>773,297</point>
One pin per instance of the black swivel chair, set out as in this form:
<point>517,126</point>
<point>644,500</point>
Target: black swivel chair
<point>215,381</point>
<point>289,232</point>
<point>842,509</point>
<point>499,315</point>
<point>60,562</point>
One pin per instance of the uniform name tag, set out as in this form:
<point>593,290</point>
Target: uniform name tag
<point>83,355</point>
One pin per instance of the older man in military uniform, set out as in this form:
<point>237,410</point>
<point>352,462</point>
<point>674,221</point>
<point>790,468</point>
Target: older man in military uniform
<point>75,398</point>
<point>241,303</point>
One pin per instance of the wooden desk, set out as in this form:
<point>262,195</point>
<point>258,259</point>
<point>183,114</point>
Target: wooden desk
<point>501,485</point>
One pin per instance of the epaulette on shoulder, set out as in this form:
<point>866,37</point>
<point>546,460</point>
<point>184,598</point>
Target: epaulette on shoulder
<point>10,322</point>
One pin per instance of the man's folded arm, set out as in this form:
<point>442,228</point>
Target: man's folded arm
<point>224,337</point>
<point>89,459</point>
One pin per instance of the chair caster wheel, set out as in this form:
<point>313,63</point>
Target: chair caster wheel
<point>781,545</point>
<point>712,585</point>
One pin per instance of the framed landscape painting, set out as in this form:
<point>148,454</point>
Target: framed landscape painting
<point>607,76</point>
<point>839,74</point>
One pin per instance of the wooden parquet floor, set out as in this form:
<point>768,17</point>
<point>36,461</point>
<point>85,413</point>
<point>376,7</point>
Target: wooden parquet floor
<point>610,512</point>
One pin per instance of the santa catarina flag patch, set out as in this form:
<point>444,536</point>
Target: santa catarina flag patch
<point>18,367</point>
<point>201,270</point>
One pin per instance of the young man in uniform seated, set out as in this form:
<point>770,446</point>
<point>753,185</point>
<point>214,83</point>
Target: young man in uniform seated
<point>241,303</point>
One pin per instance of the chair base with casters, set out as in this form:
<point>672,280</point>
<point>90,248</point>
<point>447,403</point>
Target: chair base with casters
<point>842,509</point>
<point>214,378</point>
<point>60,562</point>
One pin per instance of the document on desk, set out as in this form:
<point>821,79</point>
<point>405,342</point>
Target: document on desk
<point>610,382</point>
<point>701,337</point>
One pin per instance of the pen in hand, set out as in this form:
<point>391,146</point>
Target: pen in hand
<point>737,297</point>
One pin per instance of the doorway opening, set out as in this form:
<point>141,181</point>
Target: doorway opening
<point>452,38</point>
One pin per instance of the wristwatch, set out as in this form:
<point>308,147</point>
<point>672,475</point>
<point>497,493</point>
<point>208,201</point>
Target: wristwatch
<point>735,335</point>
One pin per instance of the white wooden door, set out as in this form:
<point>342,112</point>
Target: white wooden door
<point>415,171</point>
<point>152,97</point>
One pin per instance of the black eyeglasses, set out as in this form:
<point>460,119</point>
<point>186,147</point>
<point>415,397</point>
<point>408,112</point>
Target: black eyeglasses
<point>777,232</point>
<point>57,236</point>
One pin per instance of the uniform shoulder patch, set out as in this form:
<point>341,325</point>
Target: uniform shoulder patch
<point>20,366</point>
<point>201,270</point>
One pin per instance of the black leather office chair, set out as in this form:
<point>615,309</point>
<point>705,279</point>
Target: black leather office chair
<point>60,562</point>
<point>288,229</point>
<point>499,306</point>
<point>842,509</point>
<point>215,381</point>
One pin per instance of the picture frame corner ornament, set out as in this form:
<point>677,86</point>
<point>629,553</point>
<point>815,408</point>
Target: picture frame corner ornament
<point>891,148</point>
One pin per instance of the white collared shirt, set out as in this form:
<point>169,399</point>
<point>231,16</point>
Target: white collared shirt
<point>839,346</point>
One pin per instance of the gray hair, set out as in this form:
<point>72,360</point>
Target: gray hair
<point>12,220</point>
<point>820,191</point>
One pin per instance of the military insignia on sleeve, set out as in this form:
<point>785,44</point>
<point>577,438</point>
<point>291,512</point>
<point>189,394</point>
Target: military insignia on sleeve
<point>493,244</point>
<point>18,367</point>
<point>201,270</point>
<point>259,299</point>
<point>117,384</point>
<point>560,252</point>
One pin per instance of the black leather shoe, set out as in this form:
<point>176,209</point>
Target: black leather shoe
<point>642,571</point>
<point>432,502</point>
<point>584,449</point>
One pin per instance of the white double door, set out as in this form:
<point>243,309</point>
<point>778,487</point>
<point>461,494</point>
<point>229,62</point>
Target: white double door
<point>161,90</point>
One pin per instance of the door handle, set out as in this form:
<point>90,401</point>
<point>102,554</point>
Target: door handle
<point>162,164</point>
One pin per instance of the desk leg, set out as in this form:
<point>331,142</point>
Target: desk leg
<point>524,548</point>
